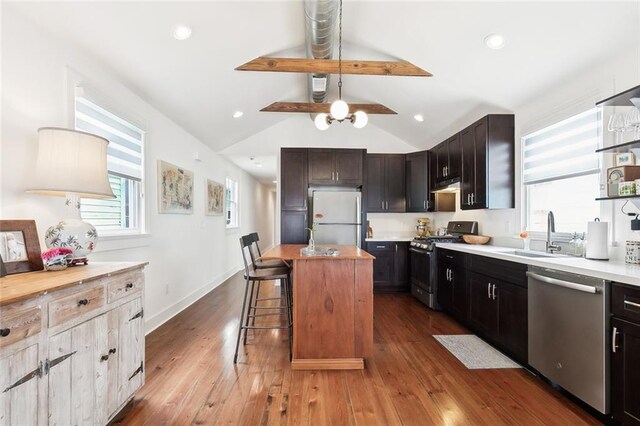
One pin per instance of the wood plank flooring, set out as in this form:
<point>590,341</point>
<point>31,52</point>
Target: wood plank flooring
<point>410,380</point>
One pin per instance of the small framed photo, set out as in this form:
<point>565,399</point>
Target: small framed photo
<point>19,246</point>
<point>626,159</point>
<point>214,198</point>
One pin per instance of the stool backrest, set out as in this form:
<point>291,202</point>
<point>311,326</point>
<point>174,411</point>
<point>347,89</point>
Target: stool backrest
<point>245,245</point>
<point>256,239</point>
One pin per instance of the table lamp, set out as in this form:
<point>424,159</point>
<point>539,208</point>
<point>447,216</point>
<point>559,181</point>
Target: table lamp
<point>72,164</point>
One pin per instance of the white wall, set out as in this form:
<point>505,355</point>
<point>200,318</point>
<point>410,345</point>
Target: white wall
<point>188,254</point>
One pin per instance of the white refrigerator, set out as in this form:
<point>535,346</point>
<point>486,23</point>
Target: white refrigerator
<point>337,217</point>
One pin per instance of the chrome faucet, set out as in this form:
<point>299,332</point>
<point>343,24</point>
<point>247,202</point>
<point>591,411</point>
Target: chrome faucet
<point>551,228</point>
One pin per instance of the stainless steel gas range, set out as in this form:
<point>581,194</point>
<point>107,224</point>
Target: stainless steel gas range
<point>423,263</point>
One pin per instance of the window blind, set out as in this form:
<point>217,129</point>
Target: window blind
<point>124,154</point>
<point>563,150</point>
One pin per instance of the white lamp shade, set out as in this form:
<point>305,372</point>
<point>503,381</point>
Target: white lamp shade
<point>321,121</point>
<point>361,119</point>
<point>339,109</point>
<point>70,161</point>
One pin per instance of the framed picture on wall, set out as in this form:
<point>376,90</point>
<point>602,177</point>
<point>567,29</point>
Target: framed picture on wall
<point>214,198</point>
<point>19,246</point>
<point>175,189</point>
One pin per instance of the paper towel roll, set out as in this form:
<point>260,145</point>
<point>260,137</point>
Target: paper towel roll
<point>598,240</point>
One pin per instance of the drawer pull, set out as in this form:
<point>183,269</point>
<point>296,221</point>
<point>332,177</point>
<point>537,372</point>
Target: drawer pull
<point>614,335</point>
<point>138,370</point>
<point>5,332</point>
<point>83,302</point>
<point>634,304</point>
<point>104,358</point>
<point>112,351</point>
<point>381,247</point>
<point>448,256</point>
<point>128,286</point>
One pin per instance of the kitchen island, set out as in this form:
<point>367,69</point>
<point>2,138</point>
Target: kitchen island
<point>332,307</point>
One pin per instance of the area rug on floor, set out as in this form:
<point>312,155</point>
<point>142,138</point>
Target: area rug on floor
<point>474,352</point>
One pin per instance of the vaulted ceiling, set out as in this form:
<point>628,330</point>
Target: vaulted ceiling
<point>194,82</point>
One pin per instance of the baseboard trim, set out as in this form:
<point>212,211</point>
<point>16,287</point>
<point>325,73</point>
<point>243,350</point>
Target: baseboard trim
<point>171,311</point>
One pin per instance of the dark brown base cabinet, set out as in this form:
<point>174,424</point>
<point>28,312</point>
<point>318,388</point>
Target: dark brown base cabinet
<point>625,354</point>
<point>473,290</point>
<point>390,267</point>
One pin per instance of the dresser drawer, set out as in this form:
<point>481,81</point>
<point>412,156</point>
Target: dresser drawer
<point>451,256</point>
<point>119,286</point>
<point>18,325</point>
<point>625,302</point>
<point>75,305</point>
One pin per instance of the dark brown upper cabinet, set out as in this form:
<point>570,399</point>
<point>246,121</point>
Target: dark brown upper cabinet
<point>419,196</point>
<point>488,176</point>
<point>448,159</point>
<point>294,195</point>
<point>336,167</point>
<point>385,183</point>
<point>293,178</point>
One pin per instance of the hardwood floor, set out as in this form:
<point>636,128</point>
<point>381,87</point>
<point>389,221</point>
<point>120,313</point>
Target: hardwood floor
<point>411,379</point>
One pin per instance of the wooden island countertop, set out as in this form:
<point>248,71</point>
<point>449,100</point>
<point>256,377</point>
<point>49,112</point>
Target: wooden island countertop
<point>332,307</point>
<point>292,252</point>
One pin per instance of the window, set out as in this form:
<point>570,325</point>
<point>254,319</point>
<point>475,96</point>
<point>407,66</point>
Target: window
<point>231,202</point>
<point>561,174</point>
<point>126,169</point>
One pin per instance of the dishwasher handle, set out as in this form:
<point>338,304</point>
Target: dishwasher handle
<point>562,283</point>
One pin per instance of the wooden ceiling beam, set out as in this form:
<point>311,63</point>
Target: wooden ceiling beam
<point>330,66</point>
<point>315,108</point>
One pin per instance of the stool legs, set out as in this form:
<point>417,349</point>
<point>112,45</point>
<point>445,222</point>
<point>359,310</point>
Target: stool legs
<point>244,308</point>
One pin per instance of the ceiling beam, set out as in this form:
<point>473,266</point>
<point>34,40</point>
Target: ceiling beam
<point>314,108</point>
<point>330,66</point>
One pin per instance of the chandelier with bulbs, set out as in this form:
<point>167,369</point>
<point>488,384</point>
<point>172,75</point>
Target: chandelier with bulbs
<point>339,110</point>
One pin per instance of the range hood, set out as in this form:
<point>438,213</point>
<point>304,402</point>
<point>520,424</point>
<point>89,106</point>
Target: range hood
<point>448,186</point>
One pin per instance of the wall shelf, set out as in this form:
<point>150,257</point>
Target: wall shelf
<point>621,99</point>
<point>618,197</point>
<point>623,147</point>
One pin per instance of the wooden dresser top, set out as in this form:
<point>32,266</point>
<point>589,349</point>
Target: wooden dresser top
<point>18,287</point>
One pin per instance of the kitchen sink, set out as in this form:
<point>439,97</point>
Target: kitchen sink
<point>533,254</point>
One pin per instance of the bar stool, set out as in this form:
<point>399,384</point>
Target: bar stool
<point>250,308</point>
<point>258,263</point>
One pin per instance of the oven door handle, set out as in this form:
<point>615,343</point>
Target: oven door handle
<point>418,251</point>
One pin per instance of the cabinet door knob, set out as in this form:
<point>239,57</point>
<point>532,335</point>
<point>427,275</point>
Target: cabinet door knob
<point>5,332</point>
<point>112,351</point>
<point>83,302</point>
<point>104,358</point>
<point>128,286</point>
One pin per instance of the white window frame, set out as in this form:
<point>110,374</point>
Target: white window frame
<point>558,236</point>
<point>78,88</point>
<point>233,224</point>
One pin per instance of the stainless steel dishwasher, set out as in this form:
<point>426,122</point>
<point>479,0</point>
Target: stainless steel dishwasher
<point>568,327</point>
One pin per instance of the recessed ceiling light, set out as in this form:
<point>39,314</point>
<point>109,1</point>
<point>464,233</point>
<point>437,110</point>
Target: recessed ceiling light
<point>181,32</point>
<point>418,117</point>
<point>258,164</point>
<point>494,41</point>
<point>238,114</point>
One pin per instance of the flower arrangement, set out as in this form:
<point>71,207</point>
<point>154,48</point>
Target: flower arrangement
<point>56,258</point>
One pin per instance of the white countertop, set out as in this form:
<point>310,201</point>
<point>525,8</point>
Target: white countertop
<point>389,238</point>
<point>608,270</point>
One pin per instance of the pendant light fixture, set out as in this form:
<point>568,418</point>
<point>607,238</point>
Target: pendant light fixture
<point>339,110</point>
